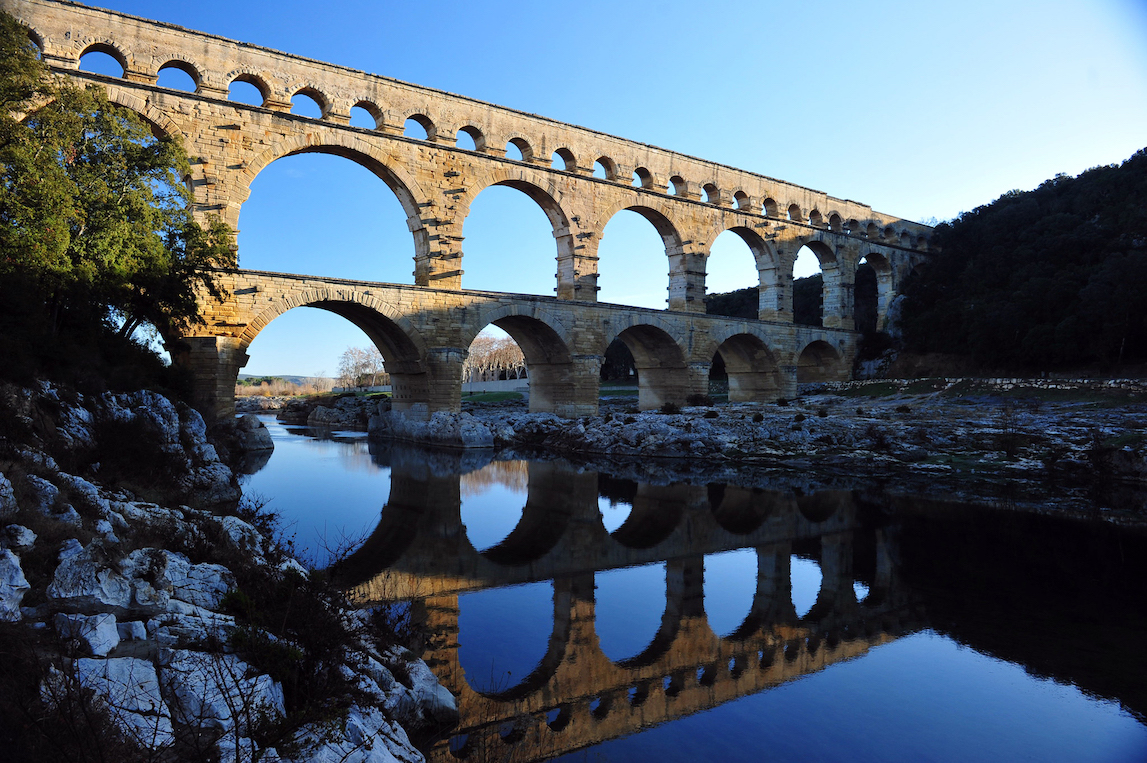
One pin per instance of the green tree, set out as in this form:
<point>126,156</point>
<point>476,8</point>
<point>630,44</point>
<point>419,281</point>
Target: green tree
<point>94,208</point>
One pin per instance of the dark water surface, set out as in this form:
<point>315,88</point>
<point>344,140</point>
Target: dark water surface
<point>583,616</point>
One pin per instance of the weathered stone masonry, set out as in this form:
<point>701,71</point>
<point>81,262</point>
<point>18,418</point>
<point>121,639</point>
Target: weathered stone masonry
<point>689,201</point>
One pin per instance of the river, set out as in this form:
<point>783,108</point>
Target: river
<point>581,615</point>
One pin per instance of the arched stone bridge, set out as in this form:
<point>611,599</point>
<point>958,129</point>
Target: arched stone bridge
<point>688,200</point>
<point>577,696</point>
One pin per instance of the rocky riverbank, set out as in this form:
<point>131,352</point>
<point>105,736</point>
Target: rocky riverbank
<point>1072,435</point>
<point>147,612</point>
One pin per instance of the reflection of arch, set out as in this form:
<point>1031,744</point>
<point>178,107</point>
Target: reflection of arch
<point>821,506</point>
<point>818,362</point>
<point>741,510</point>
<point>545,344</point>
<point>551,500</point>
<point>401,345</point>
<point>555,651</point>
<point>754,375</point>
<point>662,372</point>
<point>656,512</point>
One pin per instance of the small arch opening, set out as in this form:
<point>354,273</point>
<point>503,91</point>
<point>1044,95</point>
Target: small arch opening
<point>103,59</point>
<point>642,178</point>
<point>366,115</point>
<point>418,127</point>
<point>770,208</point>
<point>470,138</point>
<point>178,75</point>
<point>248,89</point>
<point>605,169</point>
<point>835,224</point>
<point>871,231</point>
<point>741,201</point>
<point>37,43</point>
<point>307,103</point>
<point>519,150</point>
<point>676,186</point>
<point>563,159</point>
<point>795,213</point>
<point>816,218</point>
<point>710,194</point>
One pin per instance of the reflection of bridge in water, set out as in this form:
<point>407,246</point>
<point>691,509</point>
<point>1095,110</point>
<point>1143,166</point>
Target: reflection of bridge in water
<point>577,696</point>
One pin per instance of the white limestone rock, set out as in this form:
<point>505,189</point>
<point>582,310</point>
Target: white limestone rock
<point>433,702</point>
<point>85,494</point>
<point>41,494</point>
<point>159,575</point>
<point>18,538</point>
<point>85,578</point>
<point>458,430</point>
<point>219,691</point>
<point>99,631</point>
<point>130,690</point>
<point>366,736</point>
<point>8,506</point>
<point>245,537</point>
<point>177,629</point>
<point>133,630</point>
<point>13,586</point>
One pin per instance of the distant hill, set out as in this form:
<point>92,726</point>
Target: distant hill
<point>1040,280</point>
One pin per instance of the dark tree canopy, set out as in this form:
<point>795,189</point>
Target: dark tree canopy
<point>96,236</point>
<point>1043,279</point>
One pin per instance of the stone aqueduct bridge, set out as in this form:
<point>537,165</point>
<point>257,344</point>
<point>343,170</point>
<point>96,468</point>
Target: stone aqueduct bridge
<point>577,696</point>
<point>423,330</point>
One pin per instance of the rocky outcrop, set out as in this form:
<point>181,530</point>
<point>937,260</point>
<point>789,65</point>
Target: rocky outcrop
<point>136,596</point>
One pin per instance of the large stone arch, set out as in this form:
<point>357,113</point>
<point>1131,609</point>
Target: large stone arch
<point>402,346</point>
<point>363,153</point>
<point>537,185</point>
<point>546,344</point>
<point>664,373</point>
<point>772,282</point>
<point>680,265</point>
<point>753,367</point>
<point>820,360</point>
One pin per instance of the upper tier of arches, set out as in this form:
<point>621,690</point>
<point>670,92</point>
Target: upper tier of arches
<point>65,33</point>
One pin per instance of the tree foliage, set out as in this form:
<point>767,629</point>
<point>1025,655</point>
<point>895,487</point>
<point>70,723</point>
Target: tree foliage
<point>362,367</point>
<point>1044,279</point>
<point>492,358</point>
<point>95,228</point>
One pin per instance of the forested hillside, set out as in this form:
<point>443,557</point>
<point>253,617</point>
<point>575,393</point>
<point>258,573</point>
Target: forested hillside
<point>1040,280</point>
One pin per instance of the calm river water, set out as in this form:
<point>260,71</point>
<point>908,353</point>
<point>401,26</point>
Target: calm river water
<point>583,616</point>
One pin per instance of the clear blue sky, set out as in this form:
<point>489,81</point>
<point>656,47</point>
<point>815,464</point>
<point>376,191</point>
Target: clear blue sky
<point>922,110</point>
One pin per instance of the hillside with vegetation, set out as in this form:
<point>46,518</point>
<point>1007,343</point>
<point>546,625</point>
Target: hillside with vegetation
<point>1054,278</point>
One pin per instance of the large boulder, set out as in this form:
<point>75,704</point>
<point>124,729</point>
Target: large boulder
<point>129,690</point>
<point>219,691</point>
<point>452,430</point>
